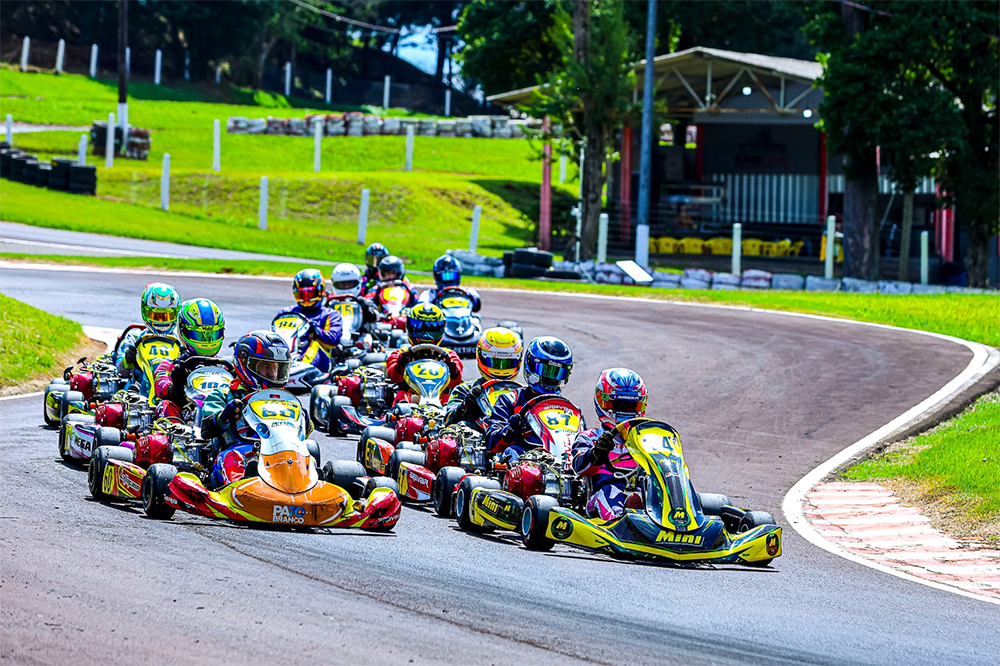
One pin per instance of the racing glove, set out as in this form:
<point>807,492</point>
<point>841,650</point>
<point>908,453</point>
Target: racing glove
<point>229,412</point>
<point>473,395</point>
<point>130,356</point>
<point>602,447</point>
<point>515,424</point>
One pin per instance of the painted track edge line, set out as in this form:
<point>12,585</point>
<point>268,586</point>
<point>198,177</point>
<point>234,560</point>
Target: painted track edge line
<point>106,335</point>
<point>984,359</point>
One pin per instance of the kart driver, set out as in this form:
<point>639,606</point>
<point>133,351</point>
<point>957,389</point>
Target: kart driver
<point>346,283</point>
<point>159,306</point>
<point>424,326</point>
<point>548,362</point>
<point>201,330</point>
<point>620,395</point>
<point>374,254</point>
<point>498,356</point>
<point>391,269</point>
<point>325,324</point>
<point>448,273</point>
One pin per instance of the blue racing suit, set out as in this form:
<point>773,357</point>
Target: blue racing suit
<point>327,327</point>
<point>500,436</point>
<point>607,494</point>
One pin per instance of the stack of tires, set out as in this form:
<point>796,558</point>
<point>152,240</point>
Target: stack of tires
<point>527,262</point>
<point>62,174</point>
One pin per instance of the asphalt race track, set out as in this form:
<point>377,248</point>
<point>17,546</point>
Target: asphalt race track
<point>759,400</point>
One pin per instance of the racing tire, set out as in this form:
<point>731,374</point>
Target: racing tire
<point>376,482</point>
<point>532,257</point>
<point>154,491</point>
<point>66,398</point>
<point>98,463</point>
<point>379,432</point>
<point>463,503</point>
<point>72,418</point>
<point>313,446</point>
<point>372,358</point>
<point>333,427</point>
<point>526,271</point>
<point>535,521</point>
<point>346,474</point>
<point>404,456</point>
<point>396,339</point>
<point>53,385</point>
<point>106,436</point>
<point>753,519</point>
<point>444,485</point>
<point>712,503</point>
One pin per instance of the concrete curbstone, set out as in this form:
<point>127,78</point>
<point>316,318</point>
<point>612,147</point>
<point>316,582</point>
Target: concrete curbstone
<point>928,289</point>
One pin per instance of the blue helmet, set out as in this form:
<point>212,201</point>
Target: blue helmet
<point>447,271</point>
<point>548,362</point>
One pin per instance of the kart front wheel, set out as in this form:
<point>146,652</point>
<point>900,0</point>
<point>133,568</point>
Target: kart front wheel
<point>53,386</point>
<point>443,488</point>
<point>154,491</point>
<point>463,501</point>
<point>376,482</point>
<point>65,424</point>
<point>535,522</point>
<point>712,503</point>
<point>66,399</point>
<point>313,446</point>
<point>334,428</point>
<point>98,466</point>
<point>754,519</point>
<point>399,456</point>
<point>345,474</point>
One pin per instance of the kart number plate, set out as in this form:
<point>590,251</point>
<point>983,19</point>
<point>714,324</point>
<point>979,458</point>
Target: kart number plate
<point>560,419</point>
<point>276,409</point>
<point>454,302</point>
<point>288,322</point>
<point>429,370</point>
<point>346,309</point>
<point>393,295</point>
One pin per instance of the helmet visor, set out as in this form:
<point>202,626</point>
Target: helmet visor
<point>345,285</point>
<point>558,373</point>
<point>624,405</point>
<point>372,260</point>
<point>161,315</point>
<point>500,363</point>
<point>269,370</point>
<point>307,295</point>
<point>204,334</point>
<point>388,275</point>
<point>449,277</point>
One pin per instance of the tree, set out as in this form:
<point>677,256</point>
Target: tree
<point>589,93</point>
<point>921,83</point>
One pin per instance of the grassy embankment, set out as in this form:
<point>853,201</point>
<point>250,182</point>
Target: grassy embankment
<point>418,214</point>
<point>953,471</point>
<point>35,345</point>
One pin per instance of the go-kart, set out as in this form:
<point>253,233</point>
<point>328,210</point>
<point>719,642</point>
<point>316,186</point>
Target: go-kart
<point>462,328</point>
<point>86,382</point>
<point>675,524</point>
<point>392,298</point>
<point>127,413</point>
<point>497,498</point>
<point>280,486</point>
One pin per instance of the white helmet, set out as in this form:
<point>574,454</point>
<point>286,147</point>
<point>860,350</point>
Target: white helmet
<point>346,279</point>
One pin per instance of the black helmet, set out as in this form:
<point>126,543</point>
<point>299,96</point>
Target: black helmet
<point>375,253</point>
<point>391,268</point>
<point>447,271</point>
<point>309,287</point>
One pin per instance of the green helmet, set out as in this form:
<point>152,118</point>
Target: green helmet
<point>159,307</point>
<point>200,327</point>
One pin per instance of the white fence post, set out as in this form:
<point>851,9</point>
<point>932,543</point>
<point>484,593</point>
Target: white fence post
<point>109,142</point>
<point>737,268</point>
<point>216,145</point>
<point>60,56</point>
<point>187,65</point>
<point>562,168</point>
<point>93,61</point>
<point>262,209</point>
<point>157,66</point>
<point>288,78</point>
<point>165,183</point>
<point>385,92</point>
<point>81,153</point>
<point>447,103</point>
<point>25,49</point>
<point>477,212</point>
<point>218,74</point>
<point>583,155</point>
<point>10,130</point>
<point>363,217</point>
<point>642,245</point>
<point>128,62</point>
<point>602,238</point>
<point>409,147</point>
<point>925,239</point>
<point>317,143</point>
<point>831,229</point>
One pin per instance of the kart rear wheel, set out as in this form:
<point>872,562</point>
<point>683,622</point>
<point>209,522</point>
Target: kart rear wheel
<point>377,482</point>
<point>99,463</point>
<point>333,426</point>
<point>106,436</point>
<point>443,487</point>
<point>463,501</point>
<point>712,503</point>
<point>313,446</point>
<point>535,522</point>
<point>404,456</point>
<point>154,491</point>
<point>754,519</point>
<point>345,474</point>
<point>379,432</point>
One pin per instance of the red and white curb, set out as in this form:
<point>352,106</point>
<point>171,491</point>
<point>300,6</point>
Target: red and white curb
<point>867,520</point>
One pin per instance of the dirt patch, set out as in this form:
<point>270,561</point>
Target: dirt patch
<point>87,347</point>
<point>945,510</point>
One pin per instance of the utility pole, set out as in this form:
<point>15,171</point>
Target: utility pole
<point>646,143</point>
<point>122,72</point>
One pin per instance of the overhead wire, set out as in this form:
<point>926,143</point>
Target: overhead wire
<point>363,24</point>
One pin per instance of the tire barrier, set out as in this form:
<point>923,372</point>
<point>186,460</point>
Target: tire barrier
<point>62,173</point>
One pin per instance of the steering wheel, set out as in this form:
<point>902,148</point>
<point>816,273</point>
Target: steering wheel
<point>621,472</point>
<point>427,352</point>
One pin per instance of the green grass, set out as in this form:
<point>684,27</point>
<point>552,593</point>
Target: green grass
<point>958,460</point>
<point>967,316</point>
<point>32,341</point>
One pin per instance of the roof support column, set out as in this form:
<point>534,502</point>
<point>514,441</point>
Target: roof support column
<point>646,147</point>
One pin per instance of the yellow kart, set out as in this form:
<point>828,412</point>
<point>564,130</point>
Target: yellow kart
<point>675,524</point>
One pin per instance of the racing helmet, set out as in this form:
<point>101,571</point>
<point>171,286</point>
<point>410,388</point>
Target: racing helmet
<point>200,327</point>
<point>620,395</point>
<point>308,287</point>
<point>391,268</point>
<point>160,303</point>
<point>548,362</point>
<point>346,280</point>
<point>447,271</point>
<point>261,360</point>
<point>425,324</point>
<point>374,254</point>
<point>498,353</point>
